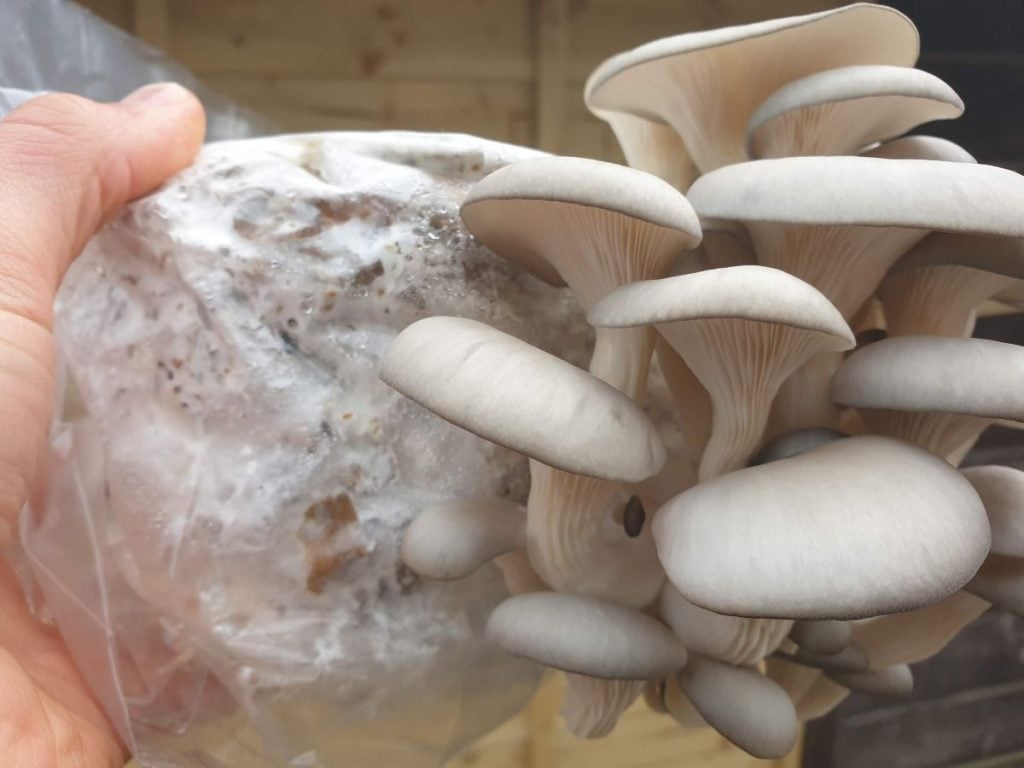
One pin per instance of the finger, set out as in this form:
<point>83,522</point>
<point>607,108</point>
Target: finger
<point>68,164</point>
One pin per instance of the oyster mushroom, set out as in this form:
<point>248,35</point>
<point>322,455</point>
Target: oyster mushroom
<point>822,637</point>
<point>593,225</point>
<point>854,528</point>
<point>585,635</point>
<point>1002,492</point>
<point>707,84</point>
<point>919,147</point>
<point>743,705</point>
<point>652,146</point>
<point>454,538</point>
<point>850,659</point>
<point>907,638</point>
<point>795,679</point>
<point>935,392</point>
<point>592,706</point>
<point>938,285</point>
<point>895,682</point>
<point>742,331</point>
<point>840,111</point>
<point>1000,581</point>
<point>523,398</point>
<point>678,706</point>
<point>732,639</point>
<point>822,697</point>
<point>825,220</point>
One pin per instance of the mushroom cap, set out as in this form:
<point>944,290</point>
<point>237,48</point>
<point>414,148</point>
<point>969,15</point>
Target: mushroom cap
<point>497,207</point>
<point>919,147</point>
<point>858,527</point>
<point>794,443</point>
<point>878,39</point>
<point>885,101</point>
<point>454,538</point>
<point>934,374</point>
<point>585,635</point>
<point>1002,492</point>
<point>516,395</point>
<point>895,682</point>
<point>743,705</point>
<point>920,194</point>
<point>1000,581</point>
<point>822,637</point>
<point>988,253</point>
<point>746,292</point>
<point>850,659</point>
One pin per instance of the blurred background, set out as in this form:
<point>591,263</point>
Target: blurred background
<point>513,70</point>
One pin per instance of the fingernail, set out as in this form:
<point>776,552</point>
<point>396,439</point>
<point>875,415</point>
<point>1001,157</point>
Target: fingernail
<point>157,95</point>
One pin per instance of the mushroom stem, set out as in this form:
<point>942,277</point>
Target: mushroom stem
<point>804,399</point>
<point>591,706</point>
<point>576,545</point>
<point>937,300</point>
<point>795,679</point>
<point>692,401</point>
<point>846,263</point>
<point>518,574</point>
<point>731,359</point>
<point>822,697</point>
<point>653,147</point>
<point>622,358</point>
<point>944,434</point>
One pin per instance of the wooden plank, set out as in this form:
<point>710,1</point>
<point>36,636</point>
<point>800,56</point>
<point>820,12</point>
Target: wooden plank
<point>453,39</point>
<point>498,110</point>
<point>552,46</point>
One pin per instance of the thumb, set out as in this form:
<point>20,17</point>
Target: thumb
<point>68,164</point>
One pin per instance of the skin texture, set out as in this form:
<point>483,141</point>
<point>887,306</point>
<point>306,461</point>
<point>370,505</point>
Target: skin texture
<point>69,165</point>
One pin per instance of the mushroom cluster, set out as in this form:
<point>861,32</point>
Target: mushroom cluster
<point>808,303</point>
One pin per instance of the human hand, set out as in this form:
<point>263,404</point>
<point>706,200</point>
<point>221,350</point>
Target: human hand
<point>66,165</point>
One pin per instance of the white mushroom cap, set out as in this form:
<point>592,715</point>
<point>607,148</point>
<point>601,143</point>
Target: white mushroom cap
<point>822,637</point>
<point>854,528</point>
<point>824,219</point>
<point>839,111</point>
<point>591,706</point>
<point>895,682</point>
<point>850,659</point>
<point>516,395</point>
<point>1000,581</point>
<point>907,638</point>
<point>454,538</point>
<point>592,224</point>
<point>920,147</point>
<point>679,707</point>
<point>585,635</point>
<point>723,323</point>
<point>743,705</point>
<point>732,639</point>
<point>735,68</point>
<point>1002,492</point>
<point>933,391</point>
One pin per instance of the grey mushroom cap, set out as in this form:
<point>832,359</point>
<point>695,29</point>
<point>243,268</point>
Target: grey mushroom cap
<point>855,528</point>
<point>746,292</point>
<point>743,705</point>
<point>822,637</point>
<point>496,208</point>
<point>850,659</point>
<point>452,539</point>
<point>523,398</point>
<point>878,102</point>
<point>585,635</point>
<point>919,194</point>
<point>932,374</point>
<point>895,682</point>
<point>1002,492</point>
<point>794,443</point>
<point>1000,581</point>
<point>918,147</point>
